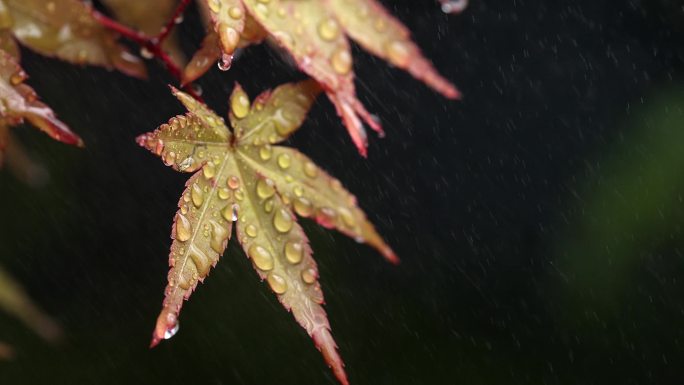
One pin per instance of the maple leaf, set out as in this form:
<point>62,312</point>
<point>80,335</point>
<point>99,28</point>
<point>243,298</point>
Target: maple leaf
<point>19,102</point>
<point>242,177</point>
<point>67,30</point>
<point>315,32</point>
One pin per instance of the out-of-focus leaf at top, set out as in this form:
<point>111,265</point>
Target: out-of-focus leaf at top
<point>242,177</point>
<point>149,17</point>
<point>66,29</point>
<point>18,102</point>
<point>315,33</point>
<point>14,301</point>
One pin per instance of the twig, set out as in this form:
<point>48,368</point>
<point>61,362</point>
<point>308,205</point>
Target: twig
<point>151,44</point>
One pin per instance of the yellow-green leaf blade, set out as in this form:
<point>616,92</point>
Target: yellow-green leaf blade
<point>209,118</point>
<point>313,193</point>
<point>369,23</point>
<point>183,143</point>
<point>202,228</point>
<point>189,141</point>
<point>18,101</point>
<point>203,59</point>
<point>273,116</point>
<point>279,249</point>
<point>66,29</point>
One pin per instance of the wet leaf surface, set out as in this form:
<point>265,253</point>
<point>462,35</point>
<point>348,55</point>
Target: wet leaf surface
<point>19,103</point>
<point>242,177</point>
<point>65,29</point>
<point>315,34</point>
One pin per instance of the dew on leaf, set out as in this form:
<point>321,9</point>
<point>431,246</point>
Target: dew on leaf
<point>261,257</point>
<point>277,283</point>
<point>183,228</point>
<point>294,251</point>
<point>282,221</point>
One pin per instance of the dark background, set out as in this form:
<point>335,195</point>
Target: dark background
<point>539,220</point>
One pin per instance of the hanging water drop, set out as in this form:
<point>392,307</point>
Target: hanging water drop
<point>146,53</point>
<point>225,62</point>
<point>171,331</point>
<point>454,6</point>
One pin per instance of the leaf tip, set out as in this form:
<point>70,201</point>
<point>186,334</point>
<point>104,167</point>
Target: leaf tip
<point>452,93</point>
<point>325,343</point>
<point>166,327</point>
<point>391,256</point>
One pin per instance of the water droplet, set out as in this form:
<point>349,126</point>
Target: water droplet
<point>223,193</point>
<point>294,251</point>
<point>169,158</point>
<point>183,228</point>
<point>341,61</point>
<point>265,152</point>
<point>303,207</point>
<point>219,237</point>
<point>209,170</point>
<point>284,161</point>
<point>328,29</point>
<point>239,194</point>
<point>171,331</point>
<point>197,89</point>
<point>235,12</point>
<point>201,261</point>
<point>282,220</point>
<point>326,217</point>
<point>277,283</point>
<point>309,275</point>
<point>398,52</point>
<point>268,206</point>
<point>225,62</point>
<point>251,231</point>
<point>262,9</point>
<point>298,191</point>
<point>264,188</point>
<point>18,77</point>
<point>229,213</point>
<point>185,164</point>
<point>178,19</point>
<point>146,53</point>
<point>310,170</point>
<point>233,182</point>
<point>215,5</point>
<point>239,103</point>
<point>454,6</point>
<point>347,216</point>
<point>261,257</point>
<point>197,195</point>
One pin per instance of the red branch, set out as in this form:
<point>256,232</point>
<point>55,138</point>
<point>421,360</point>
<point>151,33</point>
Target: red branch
<point>151,44</point>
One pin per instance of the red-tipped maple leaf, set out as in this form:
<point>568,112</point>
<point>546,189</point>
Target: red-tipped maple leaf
<point>315,32</point>
<point>18,102</point>
<point>241,177</point>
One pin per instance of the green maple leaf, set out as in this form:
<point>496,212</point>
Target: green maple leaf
<point>314,33</point>
<point>241,177</point>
